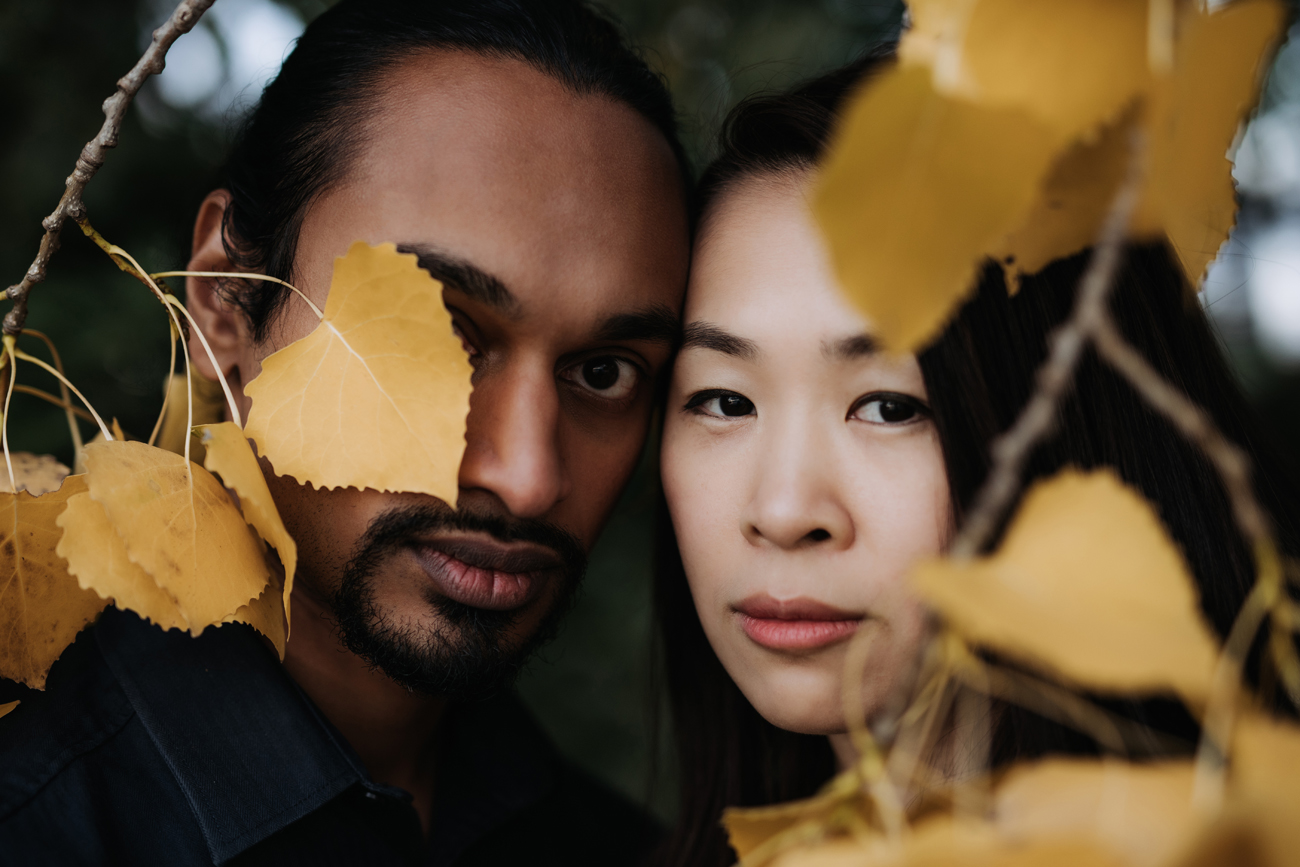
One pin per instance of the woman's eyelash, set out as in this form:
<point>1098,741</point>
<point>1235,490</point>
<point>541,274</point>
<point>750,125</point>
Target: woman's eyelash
<point>893,409</point>
<point>702,397</point>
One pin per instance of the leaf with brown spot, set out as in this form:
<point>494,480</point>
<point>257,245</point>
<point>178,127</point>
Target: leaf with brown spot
<point>228,454</point>
<point>179,524</point>
<point>41,605</point>
<point>35,474</point>
<point>377,396</point>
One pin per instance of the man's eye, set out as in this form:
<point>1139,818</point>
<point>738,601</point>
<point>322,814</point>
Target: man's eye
<point>890,409</point>
<point>608,376</point>
<point>721,403</point>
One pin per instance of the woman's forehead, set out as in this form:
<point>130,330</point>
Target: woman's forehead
<point>761,269</point>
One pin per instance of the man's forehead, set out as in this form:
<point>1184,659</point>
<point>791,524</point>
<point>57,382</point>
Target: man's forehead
<point>613,318</point>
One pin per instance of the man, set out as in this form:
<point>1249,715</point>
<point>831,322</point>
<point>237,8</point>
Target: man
<point>529,160</point>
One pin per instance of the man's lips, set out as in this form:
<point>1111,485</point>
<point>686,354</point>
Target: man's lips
<point>794,624</point>
<point>484,573</point>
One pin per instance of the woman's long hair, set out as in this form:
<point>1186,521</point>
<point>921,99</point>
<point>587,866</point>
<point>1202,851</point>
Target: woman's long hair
<point>978,374</point>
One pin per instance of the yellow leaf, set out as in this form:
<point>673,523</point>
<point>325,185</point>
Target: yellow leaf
<point>376,397</point>
<point>748,828</point>
<point>229,455</point>
<point>35,474</point>
<point>1221,58</point>
<point>1086,585</point>
<point>8,706</point>
<point>1263,800</point>
<point>1072,64</point>
<point>179,524</point>
<point>1142,813</point>
<point>945,843</point>
<point>97,556</point>
<point>209,408</point>
<point>41,606</point>
<point>266,614</point>
<point>918,188</point>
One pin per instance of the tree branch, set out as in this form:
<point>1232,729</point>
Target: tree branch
<point>182,20</point>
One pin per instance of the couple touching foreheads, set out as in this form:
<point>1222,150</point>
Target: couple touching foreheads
<point>530,161</point>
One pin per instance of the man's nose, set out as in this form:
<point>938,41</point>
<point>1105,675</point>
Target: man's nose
<point>796,500</point>
<point>512,441</point>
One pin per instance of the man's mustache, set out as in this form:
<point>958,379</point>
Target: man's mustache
<point>412,525</point>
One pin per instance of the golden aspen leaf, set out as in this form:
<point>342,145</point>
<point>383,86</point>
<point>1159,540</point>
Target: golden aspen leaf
<point>944,843</point>
<point>267,614</point>
<point>97,556</point>
<point>1073,203</point>
<point>1263,799</point>
<point>377,396</point>
<point>35,474</point>
<point>1221,58</point>
<point>1086,585</point>
<point>229,455</point>
<point>1071,64</point>
<point>179,524</point>
<point>917,189</point>
<point>8,706</point>
<point>209,408</point>
<point>1142,813</point>
<point>750,827</point>
<point>41,605</point>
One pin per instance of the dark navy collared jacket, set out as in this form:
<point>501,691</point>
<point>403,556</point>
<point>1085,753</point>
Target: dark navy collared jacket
<point>151,747</point>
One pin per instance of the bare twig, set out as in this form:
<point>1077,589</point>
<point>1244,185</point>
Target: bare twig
<point>1012,449</point>
<point>182,20</point>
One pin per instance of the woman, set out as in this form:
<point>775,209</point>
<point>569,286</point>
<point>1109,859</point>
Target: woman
<point>804,472</point>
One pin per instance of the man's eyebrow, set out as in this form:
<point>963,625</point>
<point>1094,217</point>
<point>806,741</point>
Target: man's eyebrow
<point>459,274</point>
<point>849,348</point>
<point>706,335</point>
<point>657,324</point>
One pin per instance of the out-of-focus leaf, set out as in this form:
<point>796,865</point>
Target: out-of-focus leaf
<point>1085,585</point>
<point>229,455</point>
<point>97,556</point>
<point>917,189</point>
<point>1143,813</point>
<point>178,524</point>
<point>1029,56</point>
<point>41,605</point>
<point>945,843</point>
<point>750,827</point>
<point>209,408</point>
<point>8,706</point>
<point>35,474</point>
<point>1221,58</point>
<point>267,615</point>
<point>377,396</point>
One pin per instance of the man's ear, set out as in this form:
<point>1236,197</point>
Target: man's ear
<point>222,323</point>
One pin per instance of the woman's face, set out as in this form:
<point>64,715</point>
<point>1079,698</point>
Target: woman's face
<point>801,466</point>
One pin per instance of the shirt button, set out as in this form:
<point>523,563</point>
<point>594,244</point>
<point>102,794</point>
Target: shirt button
<point>372,796</point>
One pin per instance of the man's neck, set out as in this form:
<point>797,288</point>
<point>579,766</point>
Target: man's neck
<point>392,729</point>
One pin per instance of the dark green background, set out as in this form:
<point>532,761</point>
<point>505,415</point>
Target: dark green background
<point>59,60</point>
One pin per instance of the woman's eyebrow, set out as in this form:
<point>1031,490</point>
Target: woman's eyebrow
<point>849,348</point>
<point>706,335</point>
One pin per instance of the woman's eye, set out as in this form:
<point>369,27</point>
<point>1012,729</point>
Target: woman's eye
<point>894,409</point>
<point>722,403</point>
<point>608,376</point>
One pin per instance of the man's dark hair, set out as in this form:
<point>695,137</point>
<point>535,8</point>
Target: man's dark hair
<point>309,125</point>
<point>979,374</point>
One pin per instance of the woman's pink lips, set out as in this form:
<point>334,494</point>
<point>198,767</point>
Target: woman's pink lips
<point>477,586</point>
<point>794,624</point>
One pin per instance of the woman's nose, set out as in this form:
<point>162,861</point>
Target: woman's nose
<point>797,497</point>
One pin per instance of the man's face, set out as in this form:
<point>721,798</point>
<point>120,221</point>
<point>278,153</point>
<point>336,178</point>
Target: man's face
<point>557,224</point>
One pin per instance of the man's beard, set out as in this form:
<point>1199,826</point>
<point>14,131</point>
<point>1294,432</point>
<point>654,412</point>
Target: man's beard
<point>468,653</point>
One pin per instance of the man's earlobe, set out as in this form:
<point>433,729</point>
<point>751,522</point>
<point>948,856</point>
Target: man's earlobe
<point>221,322</point>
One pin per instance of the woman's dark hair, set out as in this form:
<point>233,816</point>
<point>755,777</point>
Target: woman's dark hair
<point>310,122</point>
<point>978,375</point>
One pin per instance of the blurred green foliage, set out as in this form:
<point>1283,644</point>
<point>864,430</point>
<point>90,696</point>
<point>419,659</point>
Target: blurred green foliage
<point>59,60</point>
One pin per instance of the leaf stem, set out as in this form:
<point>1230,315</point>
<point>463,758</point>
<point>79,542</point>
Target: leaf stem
<point>73,428</point>
<point>51,399</point>
<point>9,341</point>
<point>240,275</point>
<point>103,428</point>
<point>173,301</point>
<point>167,392</point>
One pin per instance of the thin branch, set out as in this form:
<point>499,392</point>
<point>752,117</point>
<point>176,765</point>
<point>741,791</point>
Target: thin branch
<point>182,20</point>
<point>1012,449</point>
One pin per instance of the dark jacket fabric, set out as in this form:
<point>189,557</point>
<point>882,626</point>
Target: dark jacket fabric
<point>152,747</point>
